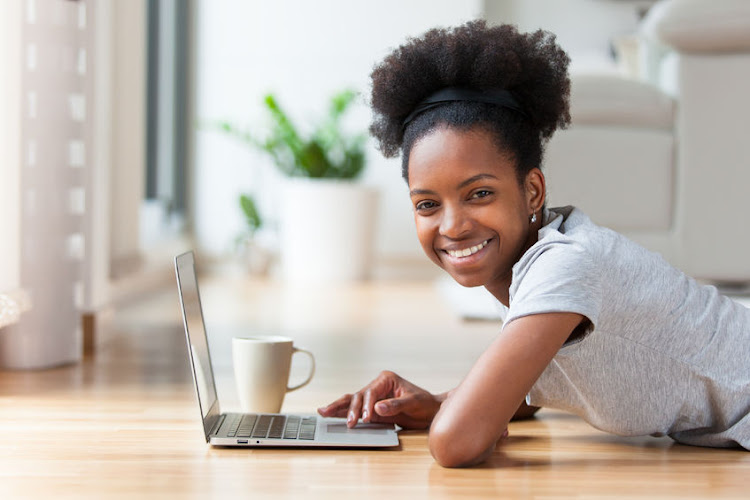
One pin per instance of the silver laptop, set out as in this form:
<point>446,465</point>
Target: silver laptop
<point>249,429</point>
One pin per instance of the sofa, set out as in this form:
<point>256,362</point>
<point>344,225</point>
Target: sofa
<point>663,156</point>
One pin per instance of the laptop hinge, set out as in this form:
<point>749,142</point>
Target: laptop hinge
<point>217,425</point>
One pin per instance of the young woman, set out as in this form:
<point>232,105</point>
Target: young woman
<point>596,325</point>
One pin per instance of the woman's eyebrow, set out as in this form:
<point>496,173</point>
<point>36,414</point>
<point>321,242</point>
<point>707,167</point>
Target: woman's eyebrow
<point>479,177</point>
<point>463,184</point>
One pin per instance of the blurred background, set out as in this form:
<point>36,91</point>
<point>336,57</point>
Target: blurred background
<point>130,131</point>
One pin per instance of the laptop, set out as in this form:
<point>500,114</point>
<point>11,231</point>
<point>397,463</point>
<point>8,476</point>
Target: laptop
<point>250,429</point>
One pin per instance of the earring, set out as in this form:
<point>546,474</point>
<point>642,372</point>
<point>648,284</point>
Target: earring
<point>532,219</point>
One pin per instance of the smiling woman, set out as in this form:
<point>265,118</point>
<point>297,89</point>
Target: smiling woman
<point>596,324</point>
<point>471,213</point>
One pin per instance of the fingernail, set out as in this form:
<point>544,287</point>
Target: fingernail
<point>381,407</point>
<point>350,418</point>
<point>364,415</point>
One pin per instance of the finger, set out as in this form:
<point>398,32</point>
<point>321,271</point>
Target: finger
<point>367,405</point>
<point>403,420</point>
<point>391,407</point>
<point>338,408</point>
<point>355,410</point>
<point>341,404</point>
<point>381,387</point>
<point>333,412</point>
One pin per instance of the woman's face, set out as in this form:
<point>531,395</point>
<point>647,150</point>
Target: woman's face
<point>471,213</point>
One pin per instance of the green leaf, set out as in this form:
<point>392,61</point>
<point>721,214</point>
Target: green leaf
<point>313,160</point>
<point>252,216</point>
<point>340,102</point>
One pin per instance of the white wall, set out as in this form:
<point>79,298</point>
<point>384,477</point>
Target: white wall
<point>10,140</point>
<point>303,51</point>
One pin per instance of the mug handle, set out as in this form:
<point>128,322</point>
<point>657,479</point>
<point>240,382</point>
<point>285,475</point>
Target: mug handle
<point>312,369</point>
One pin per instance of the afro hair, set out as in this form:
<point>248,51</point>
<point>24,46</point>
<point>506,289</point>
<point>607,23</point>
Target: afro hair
<point>531,66</point>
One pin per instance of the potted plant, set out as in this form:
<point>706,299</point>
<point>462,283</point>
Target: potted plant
<point>255,254</point>
<point>326,220</point>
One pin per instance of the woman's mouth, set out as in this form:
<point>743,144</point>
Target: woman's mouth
<point>463,253</point>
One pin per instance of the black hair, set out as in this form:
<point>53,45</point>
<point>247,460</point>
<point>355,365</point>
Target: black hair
<point>531,66</point>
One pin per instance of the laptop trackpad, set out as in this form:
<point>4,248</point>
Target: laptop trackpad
<point>361,429</point>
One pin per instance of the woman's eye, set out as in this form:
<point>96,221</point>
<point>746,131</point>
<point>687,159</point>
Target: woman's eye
<point>481,193</point>
<point>425,205</point>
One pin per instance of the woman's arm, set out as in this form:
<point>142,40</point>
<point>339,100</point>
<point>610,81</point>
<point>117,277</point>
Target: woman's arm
<point>475,414</point>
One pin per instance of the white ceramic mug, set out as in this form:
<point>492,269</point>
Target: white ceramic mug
<point>261,371</point>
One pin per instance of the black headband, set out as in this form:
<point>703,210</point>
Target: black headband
<point>498,97</point>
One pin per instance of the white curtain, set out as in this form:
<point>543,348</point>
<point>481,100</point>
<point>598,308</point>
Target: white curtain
<point>54,178</point>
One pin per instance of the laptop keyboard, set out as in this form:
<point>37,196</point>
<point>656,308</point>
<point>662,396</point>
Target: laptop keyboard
<point>269,426</point>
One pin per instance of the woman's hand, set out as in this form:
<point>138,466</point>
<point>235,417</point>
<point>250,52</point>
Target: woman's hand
<point>390,399</point>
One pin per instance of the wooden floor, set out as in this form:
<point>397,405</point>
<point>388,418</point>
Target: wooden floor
<point>125,424</point>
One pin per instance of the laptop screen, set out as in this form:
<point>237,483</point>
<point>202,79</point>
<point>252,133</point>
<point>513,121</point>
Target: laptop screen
<point>195,331</point>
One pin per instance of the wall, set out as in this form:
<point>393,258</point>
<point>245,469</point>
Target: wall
<point>303,51</point>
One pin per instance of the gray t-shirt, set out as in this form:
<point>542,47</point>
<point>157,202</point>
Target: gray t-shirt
<point>664,354</point>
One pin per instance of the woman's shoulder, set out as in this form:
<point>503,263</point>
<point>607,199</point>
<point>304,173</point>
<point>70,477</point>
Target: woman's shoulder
<point>564,229</point>
<point>571,226</point>
<point>560,272</point>
<point>572,249</point>
<point>570,221</point>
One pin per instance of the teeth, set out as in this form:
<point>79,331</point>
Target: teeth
<point>468,251</point>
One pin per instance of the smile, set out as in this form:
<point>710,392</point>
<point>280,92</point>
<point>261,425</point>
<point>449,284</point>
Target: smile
<point>467,251</point>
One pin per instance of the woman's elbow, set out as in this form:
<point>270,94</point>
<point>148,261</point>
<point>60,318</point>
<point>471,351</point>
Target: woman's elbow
<point>458,449</point>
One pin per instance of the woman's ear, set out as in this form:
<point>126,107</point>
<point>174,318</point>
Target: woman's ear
<point>536,190</point>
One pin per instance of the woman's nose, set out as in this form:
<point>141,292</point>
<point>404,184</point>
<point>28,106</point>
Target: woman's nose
<point>454,223</point>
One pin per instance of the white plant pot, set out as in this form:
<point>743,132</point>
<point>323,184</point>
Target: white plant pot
<point>327,229</point>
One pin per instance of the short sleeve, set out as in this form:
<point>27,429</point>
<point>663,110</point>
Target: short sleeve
<point>556,275</point>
